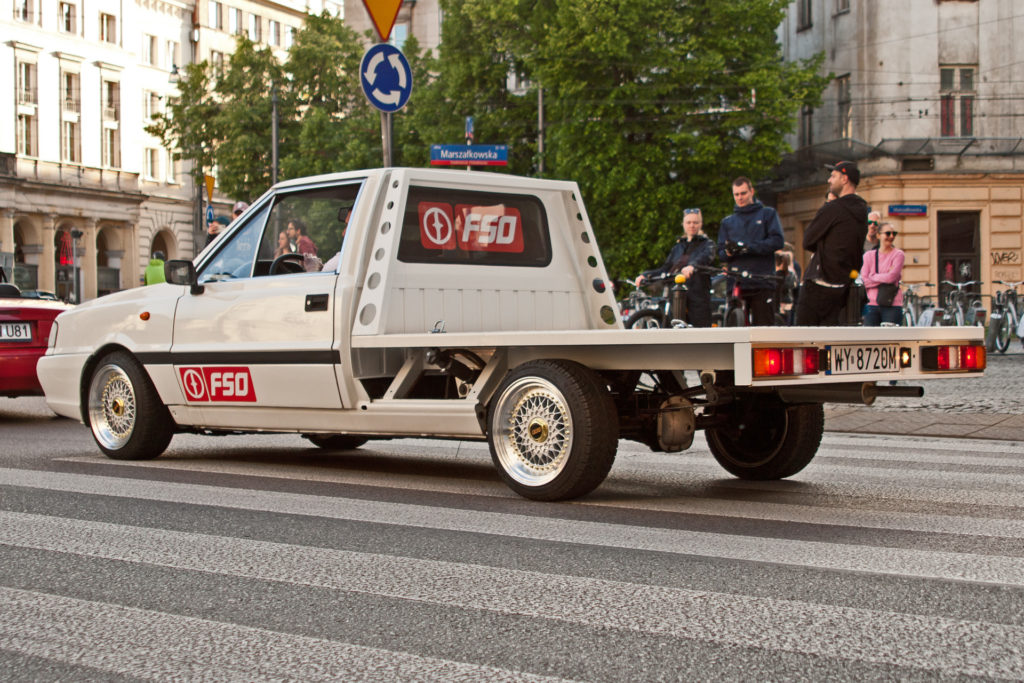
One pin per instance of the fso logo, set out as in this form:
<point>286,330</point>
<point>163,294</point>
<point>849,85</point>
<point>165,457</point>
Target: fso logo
<point>217,384</point>
<point>470,228</point>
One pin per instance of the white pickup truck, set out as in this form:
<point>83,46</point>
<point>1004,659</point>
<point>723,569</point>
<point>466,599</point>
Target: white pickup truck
<point>461,306</point>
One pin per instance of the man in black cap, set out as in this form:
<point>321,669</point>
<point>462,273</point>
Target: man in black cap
<point>836,237</point>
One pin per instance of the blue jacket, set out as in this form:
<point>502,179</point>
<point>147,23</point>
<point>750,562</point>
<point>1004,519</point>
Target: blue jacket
<point>757,226</point>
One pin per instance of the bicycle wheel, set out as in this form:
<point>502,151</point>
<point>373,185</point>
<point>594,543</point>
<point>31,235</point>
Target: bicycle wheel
<point>647,319</point>
<point>1004,331</point>
<point>735,317</point>
<point>908,317</point>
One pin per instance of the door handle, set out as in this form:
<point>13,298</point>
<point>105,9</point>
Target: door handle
<point>317,302</point>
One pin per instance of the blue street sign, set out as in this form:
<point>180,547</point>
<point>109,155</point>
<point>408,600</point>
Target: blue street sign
<point>908,209</point>
<point>469,130</point>
<point>469,155</point>
<point>386,77</point>
<point>209,213</point>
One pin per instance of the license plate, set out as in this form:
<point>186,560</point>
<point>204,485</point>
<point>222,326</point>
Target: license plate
<point>16,332</point>
<point>855,359</point>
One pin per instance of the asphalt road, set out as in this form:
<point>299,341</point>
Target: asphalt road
<point>261,558</point>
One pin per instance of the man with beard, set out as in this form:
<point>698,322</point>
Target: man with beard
<point>836,237</point>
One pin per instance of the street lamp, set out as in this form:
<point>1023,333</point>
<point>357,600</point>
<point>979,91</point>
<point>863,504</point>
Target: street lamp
<point>76,234</point>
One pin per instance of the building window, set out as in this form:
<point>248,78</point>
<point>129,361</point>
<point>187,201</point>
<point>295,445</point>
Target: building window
<point>173,54</point>
<point>111,101</point>
<point>71,141</point>
<point>255,28</point>
<point>803,14</point>
<point>217,62</point>
<point>289,36</point>
<point>112,147</point>
<point>150,163</point>
<point>149,50</point>
<point>399,35</point>
<point>150,104</point>
<point>66,18</point>
<point>274,29</point>
<point>956,92</point>
<point>28,133</point>
<point>806,126</point>
<point>216,15</point>
<point>108,28</point>
<point>844,102</point>
<point>24,10</point>
<point>235,24</point>
<point>842,6</point>
<point>27,90</point>
<point>173,168</point>
<point>70,93</point>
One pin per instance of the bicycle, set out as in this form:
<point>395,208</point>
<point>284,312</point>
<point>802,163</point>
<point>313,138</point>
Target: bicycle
<point>918,310</point>
<point>960,302</point>
<point>1005,318</point>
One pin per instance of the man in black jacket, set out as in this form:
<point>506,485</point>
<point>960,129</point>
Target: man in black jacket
<point>747,241</point>
<point>836,237</point>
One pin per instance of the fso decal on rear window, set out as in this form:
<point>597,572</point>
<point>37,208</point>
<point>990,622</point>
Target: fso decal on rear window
<point>486,228</point>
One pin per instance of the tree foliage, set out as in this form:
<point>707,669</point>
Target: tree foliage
<point>651,105</point>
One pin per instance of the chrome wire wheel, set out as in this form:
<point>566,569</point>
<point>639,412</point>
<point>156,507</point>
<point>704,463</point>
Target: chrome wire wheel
<point>533,431</point>
<point>113,408</point>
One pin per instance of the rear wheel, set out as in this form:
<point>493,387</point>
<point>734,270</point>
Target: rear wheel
<point>646,319</point>
<point>1003,332</point>
<point>735,317</point>
<point>127,418</point>
<point>553,430</point>
<point>336,442</point>
<point>765,438</point>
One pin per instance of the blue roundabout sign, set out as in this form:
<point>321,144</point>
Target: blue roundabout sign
<point>386,77</point>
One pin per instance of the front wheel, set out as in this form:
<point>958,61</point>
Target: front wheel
<point>735,317</point>
<point>646,319</point>
<point>552,430</point>
<point>127,418</point>
<point>764,438</point>
<point>1003,332</point>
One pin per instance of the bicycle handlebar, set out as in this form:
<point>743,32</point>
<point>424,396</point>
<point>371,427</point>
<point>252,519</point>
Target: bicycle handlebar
<point>962,285</point>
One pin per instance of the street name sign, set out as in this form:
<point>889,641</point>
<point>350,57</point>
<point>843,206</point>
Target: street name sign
<point>469,155</point>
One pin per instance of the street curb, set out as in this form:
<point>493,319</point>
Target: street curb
<point>861,420</point>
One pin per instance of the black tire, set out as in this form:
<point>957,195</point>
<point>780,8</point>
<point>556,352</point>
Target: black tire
<point>553,430</point>
<point>735,317</point>
<point>1000,331</point>
<point>336,442</point>
<point>127,418</point>
<point>646,319</point>
<point>908,318</point>
<point>766,438</point>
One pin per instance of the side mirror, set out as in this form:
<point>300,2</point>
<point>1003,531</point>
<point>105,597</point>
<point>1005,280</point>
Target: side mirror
<point>181,272</point>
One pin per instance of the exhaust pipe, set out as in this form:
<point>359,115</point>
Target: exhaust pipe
<point>863,393</point>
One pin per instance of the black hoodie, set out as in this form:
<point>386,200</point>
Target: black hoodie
<point>836,236</point>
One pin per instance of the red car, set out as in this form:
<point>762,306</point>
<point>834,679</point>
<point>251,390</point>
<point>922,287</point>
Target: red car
<point>24,331</point>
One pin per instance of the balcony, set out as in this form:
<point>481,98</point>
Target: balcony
<point>111,114</point>
<point>72,105</point>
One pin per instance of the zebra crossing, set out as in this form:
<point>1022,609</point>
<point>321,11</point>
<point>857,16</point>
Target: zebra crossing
<point>886,558</point>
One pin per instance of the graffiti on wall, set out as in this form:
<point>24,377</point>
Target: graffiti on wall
<point>1005,257</point>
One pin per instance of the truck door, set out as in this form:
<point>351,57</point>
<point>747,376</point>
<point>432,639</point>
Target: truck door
<point>261,333</point>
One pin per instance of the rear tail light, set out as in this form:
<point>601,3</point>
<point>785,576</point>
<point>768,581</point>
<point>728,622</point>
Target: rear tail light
<point>953,358</point>
<point>785,362</point>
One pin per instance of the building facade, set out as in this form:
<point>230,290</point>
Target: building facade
<point>86,195</point>
<point>926,98</point>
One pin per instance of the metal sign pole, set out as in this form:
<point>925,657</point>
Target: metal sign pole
<point>385,137</point>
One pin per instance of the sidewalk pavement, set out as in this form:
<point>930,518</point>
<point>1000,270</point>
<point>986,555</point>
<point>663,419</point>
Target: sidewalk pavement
<point>878,420</point>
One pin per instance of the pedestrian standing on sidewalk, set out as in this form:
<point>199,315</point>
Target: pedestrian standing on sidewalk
<point>836,237</point>
<point>881,272</point>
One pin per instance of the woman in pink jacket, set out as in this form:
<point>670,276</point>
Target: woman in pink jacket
<point>883,266</point>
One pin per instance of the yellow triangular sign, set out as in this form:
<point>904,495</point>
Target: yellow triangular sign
<point>383,13</point>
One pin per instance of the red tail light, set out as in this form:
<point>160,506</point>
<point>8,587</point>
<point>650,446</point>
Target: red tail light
<point>784,362</point>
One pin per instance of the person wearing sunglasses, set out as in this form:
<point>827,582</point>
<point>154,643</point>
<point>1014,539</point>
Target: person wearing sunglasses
<point>692,249</point>
<point>874,221</point>
<point>881,272</point>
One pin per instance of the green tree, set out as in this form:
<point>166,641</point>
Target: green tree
<point>651,105</point>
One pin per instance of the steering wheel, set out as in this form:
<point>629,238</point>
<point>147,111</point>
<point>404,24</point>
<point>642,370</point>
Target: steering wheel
<point>287,263</point>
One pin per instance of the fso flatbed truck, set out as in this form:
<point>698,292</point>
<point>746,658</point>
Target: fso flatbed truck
<point>463,306</point>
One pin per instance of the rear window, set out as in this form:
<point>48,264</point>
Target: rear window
<point>475,228</point>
